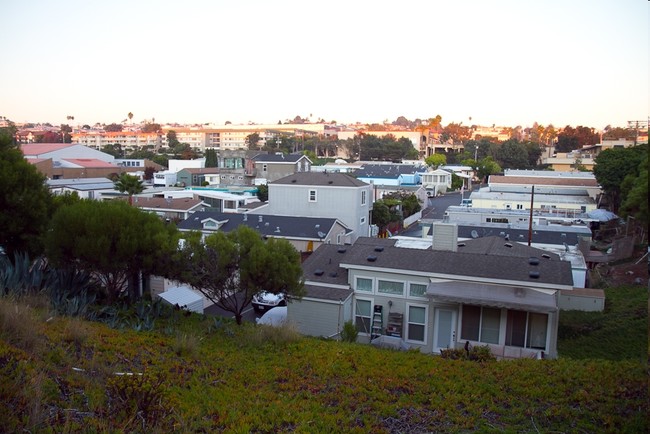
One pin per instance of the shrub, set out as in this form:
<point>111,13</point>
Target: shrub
<point>349,332</point>
<point>480,353</point>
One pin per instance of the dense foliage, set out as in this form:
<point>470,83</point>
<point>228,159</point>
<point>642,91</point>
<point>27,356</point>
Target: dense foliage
<point>617,170</point>
<point>230,268</point>
<point>24,200</point>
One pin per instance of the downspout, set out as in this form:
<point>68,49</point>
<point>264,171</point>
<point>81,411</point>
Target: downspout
<point>530,218</point>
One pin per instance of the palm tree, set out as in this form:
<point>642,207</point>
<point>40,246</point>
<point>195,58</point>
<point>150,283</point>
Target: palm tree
<point>130,185</point>
<point>130,115</point>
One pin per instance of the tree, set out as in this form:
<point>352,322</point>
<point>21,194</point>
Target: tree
<point>148,173</point>
<point>229,269</point>
<point>172,140</point>
<point>24,201</point>
<point>263,192</point>
<point>486,167</point>
<point>130,185</point>
<point>635,202</point>
<point>575,138</point>
<point>211,158</point>
<point>611,168</point>
<point>252,140</point>
<point>130,116</point>
<point>113,128</point>
<point>512,155</point>
<point>113,241</point>
<point>151,128</point>
<point>65,133</point>
<point>436,160</point>
<point>115,150</point>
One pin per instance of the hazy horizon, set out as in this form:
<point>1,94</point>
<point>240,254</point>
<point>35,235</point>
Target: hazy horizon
<point>507,62</point>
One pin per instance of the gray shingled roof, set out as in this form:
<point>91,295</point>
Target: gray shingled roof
<point>487,258</point>
<point>386,170</point>
<point>541,234</point>
<point>289,226</point>
<point>320,178</point>
<point>327,293</point>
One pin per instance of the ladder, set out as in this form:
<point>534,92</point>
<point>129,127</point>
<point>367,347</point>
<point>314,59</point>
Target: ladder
<point>377,322</point>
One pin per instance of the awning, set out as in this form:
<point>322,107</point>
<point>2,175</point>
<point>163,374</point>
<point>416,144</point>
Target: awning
<point>510,297</point>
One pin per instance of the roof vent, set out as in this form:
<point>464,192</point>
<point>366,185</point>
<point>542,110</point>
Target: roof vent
<point>546,256</point>
<point>372,258</point>
<point>533,261</point>
<point>379,249</point>
<point>508,245</point>
<point>330,182</point>
<point>318,272</point>
<point>293,181</point>
<point>534,274</point>
<point>333,274</point>
<point>342,250</point>
<point>474,234</point>
<point>461,244</point>
<point>277,229</point>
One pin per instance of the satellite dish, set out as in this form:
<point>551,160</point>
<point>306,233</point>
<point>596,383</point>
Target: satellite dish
<point>321,234</point>
<point>474,234</point>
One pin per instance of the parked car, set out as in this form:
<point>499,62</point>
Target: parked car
<point>267,300</point>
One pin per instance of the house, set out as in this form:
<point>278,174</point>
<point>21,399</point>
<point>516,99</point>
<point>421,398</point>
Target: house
<point>436,182</point>
<point>389,174</point>
<point>333,195</point>
<point>271,167</point>
<point>562,194</point>
<point>85,188</point>
<point>195,176</point>
<point>485,291</point>
<point>223,200</point>
<point>306,234</point>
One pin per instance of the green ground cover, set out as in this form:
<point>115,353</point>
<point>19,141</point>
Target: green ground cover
<point>195,374</point>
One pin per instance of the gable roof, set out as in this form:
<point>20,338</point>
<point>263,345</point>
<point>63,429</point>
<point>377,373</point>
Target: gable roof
<point>320,178</point>
<point>310,228</point>
<point>483,260</point>
<point>278,158</point>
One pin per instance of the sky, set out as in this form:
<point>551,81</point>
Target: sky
<point>509,63</point>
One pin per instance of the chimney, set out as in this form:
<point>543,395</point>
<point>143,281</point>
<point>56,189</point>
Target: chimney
<point>445,237</point>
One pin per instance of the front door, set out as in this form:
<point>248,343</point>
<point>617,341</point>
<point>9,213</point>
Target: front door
<point>445,332</point>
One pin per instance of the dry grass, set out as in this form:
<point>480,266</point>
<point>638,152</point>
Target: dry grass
<point>276,335</point>
<point>19,324</point>
<point>186,345</point>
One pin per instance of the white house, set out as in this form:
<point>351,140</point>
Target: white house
<point>436,182</point>
<point>485,292</point>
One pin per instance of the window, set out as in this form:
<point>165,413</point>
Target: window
<point>387,287</point>
<point>417,319</point>
<point>362,315</point>
<point>264,167</point>
<point>363,220</point>
<point>526,329</point>
<point>481,324</point>
<point>312,195</point>
<point>364,284</point>
<point>520,206</point>
<point>417,290</point>
<point>363,197</point>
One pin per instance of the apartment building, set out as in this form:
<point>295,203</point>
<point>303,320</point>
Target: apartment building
<point>129,140</point>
